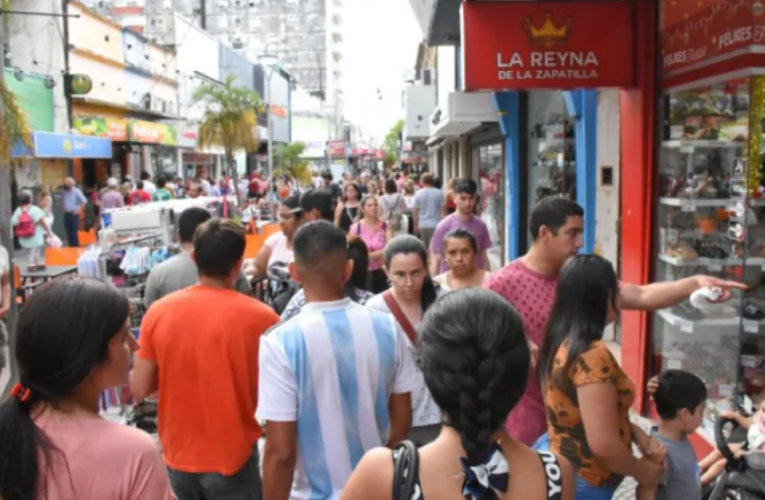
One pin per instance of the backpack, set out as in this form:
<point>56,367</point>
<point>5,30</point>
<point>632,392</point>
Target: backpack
<point>26,227</point>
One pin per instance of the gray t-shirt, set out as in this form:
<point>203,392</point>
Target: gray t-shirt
<point>429,201</point>
<point>682,478</point>
<point>177,273</point>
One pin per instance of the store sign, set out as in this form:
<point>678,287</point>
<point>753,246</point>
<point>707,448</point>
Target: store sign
<point>153,133</point>
<point>336,148</point>
<point>187,132</point>
<point>115,129</point>
<point>78,84</point>
<point>526,45</point>
<point>49,145</point>
<point>696,34</point>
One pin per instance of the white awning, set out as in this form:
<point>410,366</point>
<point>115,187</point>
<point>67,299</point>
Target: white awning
<point>466,111</point>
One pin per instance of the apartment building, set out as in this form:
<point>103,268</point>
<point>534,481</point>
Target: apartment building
<point>305,35</point>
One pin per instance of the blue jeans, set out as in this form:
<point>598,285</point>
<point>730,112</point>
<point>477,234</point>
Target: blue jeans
<point>584,490</point>
<point>244,485</point>
<point>72,225</point>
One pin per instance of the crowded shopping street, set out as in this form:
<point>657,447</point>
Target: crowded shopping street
<point>255,250</point>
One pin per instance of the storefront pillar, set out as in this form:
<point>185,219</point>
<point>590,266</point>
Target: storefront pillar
<point>638,144</point>
<point>583,107</point>
<point>464,154</point>
<point>507,104</point>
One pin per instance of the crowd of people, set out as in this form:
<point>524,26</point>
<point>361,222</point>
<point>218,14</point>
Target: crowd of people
<point>401,366</point>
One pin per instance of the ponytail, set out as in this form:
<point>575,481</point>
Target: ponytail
<point>20,441</point>
<point>429,293</point>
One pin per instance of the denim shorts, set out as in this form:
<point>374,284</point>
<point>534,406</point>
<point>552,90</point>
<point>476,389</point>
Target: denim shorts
<point>584,490</point>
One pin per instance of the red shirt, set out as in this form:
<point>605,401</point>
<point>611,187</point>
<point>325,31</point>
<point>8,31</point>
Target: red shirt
<point>138,196</point>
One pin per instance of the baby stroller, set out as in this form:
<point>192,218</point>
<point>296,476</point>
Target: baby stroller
<point>743,478</point>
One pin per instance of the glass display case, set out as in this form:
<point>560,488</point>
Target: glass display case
<point>711,220</point>
<point>551,147</point>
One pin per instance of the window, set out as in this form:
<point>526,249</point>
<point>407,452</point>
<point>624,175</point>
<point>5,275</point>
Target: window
<point>492,203</point>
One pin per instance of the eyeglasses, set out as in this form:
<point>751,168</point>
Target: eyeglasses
<point>403,278</point>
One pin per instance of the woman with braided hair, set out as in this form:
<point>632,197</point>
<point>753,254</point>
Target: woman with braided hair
<point>74,342</point>
<point>475,360</point>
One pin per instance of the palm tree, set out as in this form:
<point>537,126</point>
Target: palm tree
<point>230,121</point>
<point>289,158</point>
<point>14,129</point>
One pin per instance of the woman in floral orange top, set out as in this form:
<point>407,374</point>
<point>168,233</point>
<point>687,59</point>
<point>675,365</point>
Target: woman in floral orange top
<point>587,395</point>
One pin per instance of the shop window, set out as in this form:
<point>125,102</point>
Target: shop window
<point>711,220</point>
<point>492,209</point>
<point>551,153</point>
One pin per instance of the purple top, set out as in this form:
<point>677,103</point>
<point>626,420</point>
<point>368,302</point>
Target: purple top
<point>112,199</point>
<point>475,225</point>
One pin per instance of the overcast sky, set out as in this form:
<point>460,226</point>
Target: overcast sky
<point>381,39</point>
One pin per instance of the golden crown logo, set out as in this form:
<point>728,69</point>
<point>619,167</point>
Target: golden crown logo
<point>548,35</point>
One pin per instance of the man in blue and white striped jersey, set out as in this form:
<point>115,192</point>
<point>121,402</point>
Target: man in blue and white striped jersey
<point>335,380</point>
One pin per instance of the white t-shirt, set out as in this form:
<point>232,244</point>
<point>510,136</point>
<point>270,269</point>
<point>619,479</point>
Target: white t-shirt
<point>332,369</point>
<point>5,267</point>
<point>277,242</point>
<point>425,411</point>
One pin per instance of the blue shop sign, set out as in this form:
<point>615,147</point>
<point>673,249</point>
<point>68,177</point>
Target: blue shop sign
<point>50,145</point>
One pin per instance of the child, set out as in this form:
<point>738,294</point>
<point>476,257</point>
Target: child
<point>680,400</point>
<point>714,463</point>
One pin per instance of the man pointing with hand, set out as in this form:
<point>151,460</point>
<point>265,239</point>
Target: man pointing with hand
<point>530,282</point>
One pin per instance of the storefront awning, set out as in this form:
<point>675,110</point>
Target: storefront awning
<point>464,112</point>
<point>50,145</point>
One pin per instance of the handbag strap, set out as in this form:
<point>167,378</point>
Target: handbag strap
<point>397,313</point>
<point>406,466</point>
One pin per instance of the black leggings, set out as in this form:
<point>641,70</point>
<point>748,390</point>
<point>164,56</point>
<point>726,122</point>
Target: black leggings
<point>378,281</point>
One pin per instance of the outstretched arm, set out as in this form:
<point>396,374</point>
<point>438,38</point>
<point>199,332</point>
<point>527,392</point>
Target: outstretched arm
<point>667,294</point>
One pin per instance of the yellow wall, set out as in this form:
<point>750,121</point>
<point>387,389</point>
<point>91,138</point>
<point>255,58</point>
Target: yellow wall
<point>84,109</point>
<point>94,33</point>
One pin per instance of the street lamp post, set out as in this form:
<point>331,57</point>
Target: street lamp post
<point>269,61</point>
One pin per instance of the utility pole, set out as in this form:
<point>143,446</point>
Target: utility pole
<point>202,14</point>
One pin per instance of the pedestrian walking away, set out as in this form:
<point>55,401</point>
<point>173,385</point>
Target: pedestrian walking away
<point>335,380</point>
<point>475,361</point>
<point>199,352</point>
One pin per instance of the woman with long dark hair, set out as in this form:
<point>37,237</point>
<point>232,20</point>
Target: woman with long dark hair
<point>348,210</point>
<point>586,393</point>
<point>411,294</point>
<point>73,342</point>
<point>475,361</point>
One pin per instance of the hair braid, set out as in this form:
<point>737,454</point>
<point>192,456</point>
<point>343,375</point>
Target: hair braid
<point>475,420</point>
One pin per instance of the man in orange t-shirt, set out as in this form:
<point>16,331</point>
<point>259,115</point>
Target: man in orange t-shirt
<point>199,348</point>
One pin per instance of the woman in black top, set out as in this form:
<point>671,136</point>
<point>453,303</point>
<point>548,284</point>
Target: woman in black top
<point>349,210</point>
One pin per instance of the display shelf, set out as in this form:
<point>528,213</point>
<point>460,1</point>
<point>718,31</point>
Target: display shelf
<point>690,143</point>
<point>691,203</point>
<point>689,325</point>
<point>712,263</point>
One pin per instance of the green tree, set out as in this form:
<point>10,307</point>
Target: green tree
<point>230,121</point>
<point>290,162</point>
<point>14,129</point>
<point>391,144</point>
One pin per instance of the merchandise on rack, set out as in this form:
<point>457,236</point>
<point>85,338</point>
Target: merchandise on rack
<point>711,220</point>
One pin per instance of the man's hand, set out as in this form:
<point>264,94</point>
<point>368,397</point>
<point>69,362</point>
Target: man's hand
<point>652,386</point>
<point>724,285</point>
<point>534,354</point>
